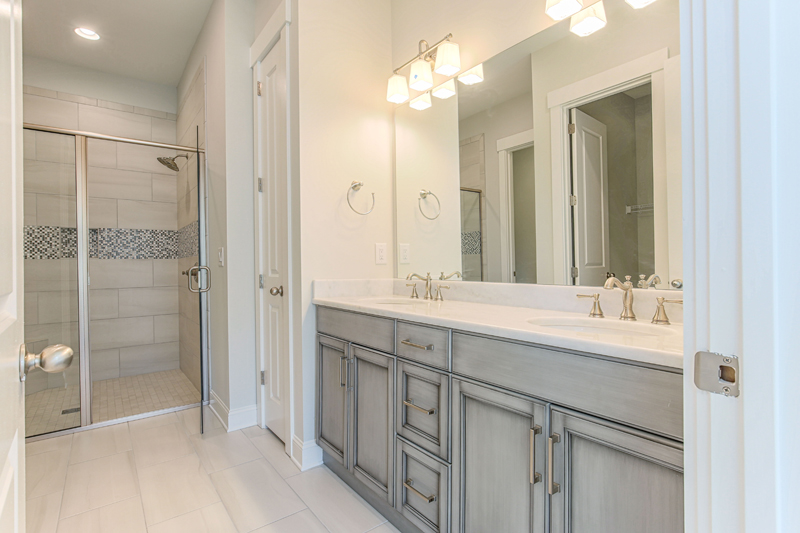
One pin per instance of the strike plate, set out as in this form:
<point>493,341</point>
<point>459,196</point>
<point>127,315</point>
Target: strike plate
<point>717,373</point>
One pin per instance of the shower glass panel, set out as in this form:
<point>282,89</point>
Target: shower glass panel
<point>145,354</point>
<point>471,235</point>
<point>52,401</point>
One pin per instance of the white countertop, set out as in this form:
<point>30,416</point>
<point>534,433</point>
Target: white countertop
<point>665,348</point>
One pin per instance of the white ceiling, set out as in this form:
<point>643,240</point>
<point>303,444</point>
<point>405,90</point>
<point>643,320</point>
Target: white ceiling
<point>148,40</point>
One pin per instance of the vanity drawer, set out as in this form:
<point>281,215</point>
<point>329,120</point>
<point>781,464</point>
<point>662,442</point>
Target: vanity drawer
<point>424,344</point>
<point>423,408</point>
<point>638,396</point>
<point>365,330</point>
<point>423,488</point>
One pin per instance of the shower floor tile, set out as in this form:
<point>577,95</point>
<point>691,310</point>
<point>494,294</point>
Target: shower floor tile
<point>111,399</point>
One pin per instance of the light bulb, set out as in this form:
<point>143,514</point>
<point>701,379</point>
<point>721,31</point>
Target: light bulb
<point>448,59</point>
<point>589,20</point>
<point>445,90</point>
<point>561,9</point>
<point>397,93</point>
<point>421,75</point>
<point>421,102</point>
<point>472,76</point>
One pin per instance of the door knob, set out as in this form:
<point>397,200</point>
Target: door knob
<point>54,358</point>
<point>276,291</point>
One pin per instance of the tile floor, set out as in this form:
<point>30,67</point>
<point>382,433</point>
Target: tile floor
<point>111,399</point>
<point>159,475</point>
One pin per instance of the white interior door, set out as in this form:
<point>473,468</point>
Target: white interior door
<point>590,185</point>
<point>12,419</point>
<point>273,242</point>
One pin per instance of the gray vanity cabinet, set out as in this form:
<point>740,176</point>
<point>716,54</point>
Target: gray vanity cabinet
<point>332,411</point>
<point>610,479</point>
<point>372,428</point>
<point>498,461</point>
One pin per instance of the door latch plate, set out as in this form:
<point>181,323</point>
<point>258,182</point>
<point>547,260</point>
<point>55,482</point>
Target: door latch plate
<point>717,373</point>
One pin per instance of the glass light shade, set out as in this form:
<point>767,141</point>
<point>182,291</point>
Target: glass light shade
<point>421,102</point>
<point>472,76</point>
<point>421,75</point>
<point>87,34</point>
<point>398,89</point>
<point>561,9</point>
<point>445,90</point>
<point>448,59</point>
<point>639,4</point>
<point>589,20</point>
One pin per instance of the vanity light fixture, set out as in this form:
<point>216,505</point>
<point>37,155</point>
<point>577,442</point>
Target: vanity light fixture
<point>398,89</point>
<point>445,90</point>
<point>639,4</point>
<point>421,75</point>
<point>87,34</point>
<point>589,20</point>
<point>561,9</point>
<point>448,59</point>
<point>472,76</point>
<point>421,102</point>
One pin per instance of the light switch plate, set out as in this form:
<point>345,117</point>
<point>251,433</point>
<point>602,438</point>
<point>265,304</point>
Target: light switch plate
<point>405,254</point>
<point>380,253</point>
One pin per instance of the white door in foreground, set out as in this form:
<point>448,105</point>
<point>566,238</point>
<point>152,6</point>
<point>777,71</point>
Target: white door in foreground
<point>12,430</point>
<point>273,238</point>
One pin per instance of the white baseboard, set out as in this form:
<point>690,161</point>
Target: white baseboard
<point>233,419</point>
<point>306,455</point>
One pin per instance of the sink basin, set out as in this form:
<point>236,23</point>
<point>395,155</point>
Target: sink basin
<point>602,326</point>
<point>395,301</point>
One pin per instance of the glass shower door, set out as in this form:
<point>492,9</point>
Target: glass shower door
<point>52,401</point>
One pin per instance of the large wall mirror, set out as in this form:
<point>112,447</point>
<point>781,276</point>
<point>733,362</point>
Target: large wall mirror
<point>562,166</point>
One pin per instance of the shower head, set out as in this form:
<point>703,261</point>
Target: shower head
<point>169,162</point>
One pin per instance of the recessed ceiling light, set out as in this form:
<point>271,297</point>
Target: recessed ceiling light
<point>87,34</point>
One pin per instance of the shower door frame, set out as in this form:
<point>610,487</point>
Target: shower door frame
<point>82,224</point>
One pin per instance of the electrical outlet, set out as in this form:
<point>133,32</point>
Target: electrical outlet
<point>380,253</point>
<point>405,254</point>
<point>221,256</point>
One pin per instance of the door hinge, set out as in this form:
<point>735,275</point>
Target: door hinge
<point>258,88</point>
<point>575,272</point>
<point>263,378</point>
<point>573,200</point>
<point>570,128</point>
<point>259,185</point>
<point>261,281</point>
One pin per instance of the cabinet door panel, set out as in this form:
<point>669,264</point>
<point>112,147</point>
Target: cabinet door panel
<point>332,397</point>
<point>614,479</point>
<point>497,459</point>
<point>373,421</point>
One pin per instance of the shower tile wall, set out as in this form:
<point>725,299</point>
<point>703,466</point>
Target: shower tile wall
<point>133,239</point>
<point>191,116</point>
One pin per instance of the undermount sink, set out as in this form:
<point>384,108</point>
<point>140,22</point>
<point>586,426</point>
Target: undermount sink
<point>602,326</point>
<point>395,301</point>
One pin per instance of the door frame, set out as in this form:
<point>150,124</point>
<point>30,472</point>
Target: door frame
<point>263,45</point>
<point>505,152</point>
<point>648,68</point>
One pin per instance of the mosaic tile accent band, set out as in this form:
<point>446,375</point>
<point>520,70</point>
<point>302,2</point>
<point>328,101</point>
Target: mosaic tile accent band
<point>471,242</point>
<point>54,242</point>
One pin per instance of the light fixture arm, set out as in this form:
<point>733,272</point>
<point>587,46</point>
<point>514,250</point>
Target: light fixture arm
<point>424,53</point>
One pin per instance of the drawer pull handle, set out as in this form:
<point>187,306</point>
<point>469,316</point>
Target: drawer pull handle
<point>408,484</point>
<point>535,476</point>
<point>410,403</point>
<point>428,348</point>
<point>552,487</point>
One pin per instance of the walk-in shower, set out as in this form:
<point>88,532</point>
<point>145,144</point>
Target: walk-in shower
<point>107,231</point>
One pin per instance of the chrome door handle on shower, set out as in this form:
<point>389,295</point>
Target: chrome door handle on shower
<point>194,272</point>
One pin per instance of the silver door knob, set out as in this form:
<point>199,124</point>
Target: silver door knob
<point>54,358</point>
<point>276,291</point>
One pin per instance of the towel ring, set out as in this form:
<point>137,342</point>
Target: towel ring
<point>424,194</point>
<point>355,186</point>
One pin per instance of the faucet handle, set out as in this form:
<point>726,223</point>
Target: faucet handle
<point>642,281</point>
<point>414,294</point>
<point>439,288</point>
<point>661,317</point>
<point>627,278</point>
<point>596,312</point>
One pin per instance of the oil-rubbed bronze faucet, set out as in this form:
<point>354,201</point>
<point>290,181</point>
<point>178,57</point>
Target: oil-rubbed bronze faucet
<point>627,296</point>
<point>427,281</point>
